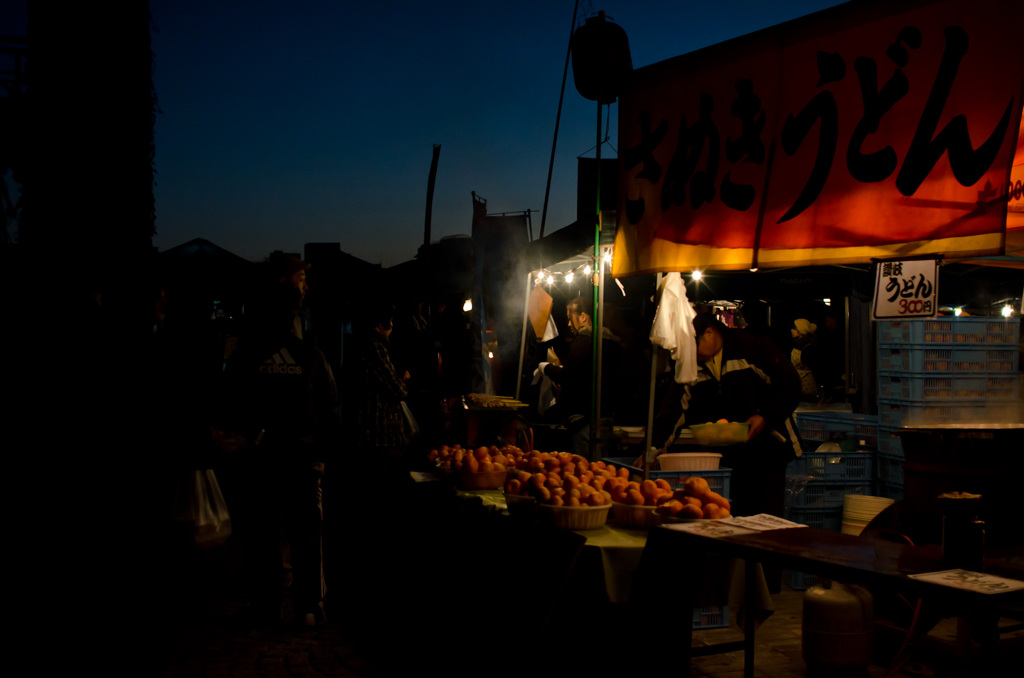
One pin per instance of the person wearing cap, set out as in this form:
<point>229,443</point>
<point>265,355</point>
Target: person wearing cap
<point>803,355</point>
<point>743,377</point>
<point>281,398</point>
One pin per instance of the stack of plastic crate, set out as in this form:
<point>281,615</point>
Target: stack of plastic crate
<point>817,487</point>
<point>818,482</point>
<point>829,426</point>
<point>938,371</point>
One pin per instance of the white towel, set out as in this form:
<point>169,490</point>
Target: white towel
<point>673,327</point>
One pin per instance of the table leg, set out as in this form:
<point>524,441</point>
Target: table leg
<point>750,588</point>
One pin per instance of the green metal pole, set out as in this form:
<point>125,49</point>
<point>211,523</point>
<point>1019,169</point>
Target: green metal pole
<point>596,268</point>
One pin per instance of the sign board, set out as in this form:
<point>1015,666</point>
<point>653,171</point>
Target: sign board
<point>906,289</point>
<point>871,130</point>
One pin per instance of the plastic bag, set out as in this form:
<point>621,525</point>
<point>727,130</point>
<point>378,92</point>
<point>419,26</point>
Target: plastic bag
<point>199,501</point>
<point>410,419</point>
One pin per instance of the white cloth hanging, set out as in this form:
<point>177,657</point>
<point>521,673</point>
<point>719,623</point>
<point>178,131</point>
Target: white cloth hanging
<point>673,327</point>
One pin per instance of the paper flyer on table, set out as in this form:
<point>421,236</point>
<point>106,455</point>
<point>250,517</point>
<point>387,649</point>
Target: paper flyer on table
<point>971,581</point>
<point>761,522</point>
<point>708,528</point>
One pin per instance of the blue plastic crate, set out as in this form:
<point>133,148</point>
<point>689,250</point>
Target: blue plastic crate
<point>948,386</point>
<point>718,480</point>
<point>833,466</point>
<point>821,518</point>
<point>892,491</point>
<point>946,358</point>
<point>889,443</point>
<point>950,330</point>
<point>712,617</point>
<point>890,469</point>
<point>825,494</point>
<point>820,427</point>
<point>800,581</point>
<point>893,413</point>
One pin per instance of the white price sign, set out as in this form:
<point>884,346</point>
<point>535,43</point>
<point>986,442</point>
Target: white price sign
<point>906,289</point>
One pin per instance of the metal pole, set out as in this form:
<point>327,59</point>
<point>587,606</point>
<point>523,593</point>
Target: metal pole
<point>599,332</point>
<point>558,117</point>
<point>649,437</point>
<point>596,268</point>
<point>430,194</point>
<point>522,339</point>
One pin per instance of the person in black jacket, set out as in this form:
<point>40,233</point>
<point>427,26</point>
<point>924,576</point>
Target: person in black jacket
<point>742,376</point>
<point>282,403</point>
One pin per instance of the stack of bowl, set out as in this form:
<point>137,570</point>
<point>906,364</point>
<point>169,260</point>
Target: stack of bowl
<point>861,509</point>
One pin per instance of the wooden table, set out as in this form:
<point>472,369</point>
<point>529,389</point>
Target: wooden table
<point>676,557</point>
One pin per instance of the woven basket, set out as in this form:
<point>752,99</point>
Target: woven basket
<point>689,461</point>
<point>574,517</point>
<point>639,517</point>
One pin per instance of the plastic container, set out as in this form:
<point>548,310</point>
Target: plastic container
<point>819,427</point>
<point>950,330</point>
<point>825,494</point>
<point>822,518</point>
<point>942,358</point>
<point>800,581</point>
<point>948,387</point>
<point>833,466</point>
<point>892,490</point>
<point>895,414</point>
<point>889,468</point>
<point>889,443</point>
<point>689,461</point>
<point>712,617</point>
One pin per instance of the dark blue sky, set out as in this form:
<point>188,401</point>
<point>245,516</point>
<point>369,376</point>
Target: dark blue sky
<point>284,123</point>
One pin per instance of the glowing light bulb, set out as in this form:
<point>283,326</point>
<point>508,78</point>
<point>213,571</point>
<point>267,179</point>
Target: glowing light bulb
<point>551,279</point>
<point>696,275</point>
<point>958,311</point>
<point>608,256</point>
<point>569,276</point>
<point>468,305</point>
<point>827,302</point>
<point>490,355</point>
<point>587,269</point>
<point>1007,311</point>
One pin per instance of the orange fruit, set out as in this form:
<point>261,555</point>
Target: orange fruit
<point>696,486</point>
<point>691,511</point>
<point>715,498</point>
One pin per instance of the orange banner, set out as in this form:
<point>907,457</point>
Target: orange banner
<point>872,129</point>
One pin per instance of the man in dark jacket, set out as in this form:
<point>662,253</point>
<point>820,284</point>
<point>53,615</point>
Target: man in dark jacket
<point>742,376</point>
<point>283,400</point>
